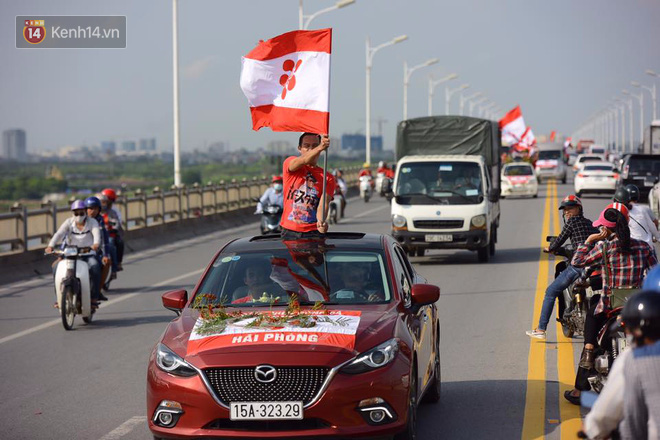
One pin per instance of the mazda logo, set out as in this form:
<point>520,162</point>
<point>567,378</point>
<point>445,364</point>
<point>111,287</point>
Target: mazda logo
<point>265,373</point>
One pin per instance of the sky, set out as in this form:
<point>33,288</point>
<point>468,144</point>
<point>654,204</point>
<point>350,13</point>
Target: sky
<point>560,60</point>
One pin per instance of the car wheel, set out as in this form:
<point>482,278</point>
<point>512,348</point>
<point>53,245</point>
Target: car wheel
<point>410,431</point>
<point>483,254</point>
<point>539,179</point>
<point>579,194</point>
<point>502,197</point>
<point>536,196</point>
<point>563,180</point>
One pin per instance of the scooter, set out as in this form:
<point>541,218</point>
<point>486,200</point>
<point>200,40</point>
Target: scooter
<point>611,343</point>
<point>270,218</point>
<point>72,285</point>
<point>366,187</point>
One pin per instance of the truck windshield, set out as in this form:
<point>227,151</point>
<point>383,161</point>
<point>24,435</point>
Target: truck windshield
<point>549,154</point>
<point>450,183</point>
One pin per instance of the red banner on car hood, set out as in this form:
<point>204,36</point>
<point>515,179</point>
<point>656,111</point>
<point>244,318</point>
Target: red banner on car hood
<point>336,328</point>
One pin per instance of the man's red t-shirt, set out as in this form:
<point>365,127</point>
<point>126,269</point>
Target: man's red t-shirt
<point>302,193</point>
<point>365,173</point>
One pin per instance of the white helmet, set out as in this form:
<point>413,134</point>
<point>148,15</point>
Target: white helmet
<point>381,164</point>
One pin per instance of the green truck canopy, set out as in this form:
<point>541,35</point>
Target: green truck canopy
<point>449,135</point>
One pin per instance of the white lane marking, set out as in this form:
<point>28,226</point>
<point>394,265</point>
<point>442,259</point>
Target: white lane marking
<point>109,303</point>
<point>370,211</point>
<point>124,428</point>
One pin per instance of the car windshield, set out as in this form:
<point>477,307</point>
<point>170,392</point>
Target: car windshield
<point>598,168</point>
<point>549,154</point>
<point>649,166</point>
<point>450,183</point>
<point>518,170</point>
<point>307,271</point>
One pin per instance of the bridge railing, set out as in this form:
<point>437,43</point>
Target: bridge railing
<point>22,230</point>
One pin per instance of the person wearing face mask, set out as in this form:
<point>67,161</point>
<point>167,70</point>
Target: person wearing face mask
<point>272,196</point>
<point>83,232</point>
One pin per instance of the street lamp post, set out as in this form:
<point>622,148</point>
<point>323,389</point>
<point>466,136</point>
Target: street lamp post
<point>370,56</point>
<point>655,103</point>
<point>471,104</point>
<point>302,24</point>
<point>433,83</point>
<point>483,109</point>
<point>640,99</point>
<point>175,87</point>
<point>621,106</point>
<point>407,73</point>
<point>463,100</point>
<point>450,92</point>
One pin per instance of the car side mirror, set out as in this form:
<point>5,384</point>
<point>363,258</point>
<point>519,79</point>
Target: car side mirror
<point>494,194</point>
<point>423,294</point>
<point>175,300</point>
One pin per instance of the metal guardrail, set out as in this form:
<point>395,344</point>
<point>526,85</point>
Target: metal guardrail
<point>22,230</point>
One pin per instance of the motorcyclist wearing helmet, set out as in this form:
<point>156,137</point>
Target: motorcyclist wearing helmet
<point>83,232</point>
<point>366,170</point>
<point>608,411</point>
<point>577,228</point>
<point>643,226</point>
<point>107,256</point>
<point>624,261</point>
<point>113,223</point>
<point>272,196</point>
<point>341,190</point>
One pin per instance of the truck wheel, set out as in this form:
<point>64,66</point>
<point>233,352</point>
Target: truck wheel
<point>491,246</point>
<point>483,254</point>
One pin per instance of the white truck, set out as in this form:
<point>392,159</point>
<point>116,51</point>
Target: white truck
<point>651,144</point>
<point>447,185</point>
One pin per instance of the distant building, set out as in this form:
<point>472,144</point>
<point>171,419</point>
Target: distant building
<point>14,146</point>
<point>108,147</point>
<point>279,147</point>
<point>128,146</point>
<point>148,144</point>
<point>217,150</point>
<point>358,142</point>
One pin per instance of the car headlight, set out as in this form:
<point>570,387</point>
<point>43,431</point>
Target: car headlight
<point>172,363</point>
<point>398,221</point>
<point>479,221</point>
<point>377,357</point>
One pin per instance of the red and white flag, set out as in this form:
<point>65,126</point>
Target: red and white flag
<point>528,139</point>
<point>513,126</point>
<point>287,82</point>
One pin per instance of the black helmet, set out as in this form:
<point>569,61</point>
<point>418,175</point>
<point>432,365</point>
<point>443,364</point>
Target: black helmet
<point>642,311</point>
<point>622,195</point>
<point>633,191</point>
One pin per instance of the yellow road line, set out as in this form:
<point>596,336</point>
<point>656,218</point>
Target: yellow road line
<point>569,414</point>
<point>534,421</point>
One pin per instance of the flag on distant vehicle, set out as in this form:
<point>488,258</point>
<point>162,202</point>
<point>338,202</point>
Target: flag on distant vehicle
<point>287,82</point>
<point>553,135</point>
<point>513,126</point>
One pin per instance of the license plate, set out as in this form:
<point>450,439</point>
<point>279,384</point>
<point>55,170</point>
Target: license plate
<point>623,343</point>
<point>266,411</point>
<point>598,179</point>
<point>648,183</point>
<point>439,237</point>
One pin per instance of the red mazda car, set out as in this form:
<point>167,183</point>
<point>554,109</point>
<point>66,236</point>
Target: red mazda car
<point>324,338</point>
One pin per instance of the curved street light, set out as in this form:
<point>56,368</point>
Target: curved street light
<point>450,92</point>
<point>640,99</point>
<point>370,56</point>
<point>301,16</point>
<point>432,85</point>
<point>463,100</point>
<point>407,73</point>
<point>471,104</point>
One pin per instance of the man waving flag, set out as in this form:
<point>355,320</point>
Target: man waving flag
<point>287,82</point>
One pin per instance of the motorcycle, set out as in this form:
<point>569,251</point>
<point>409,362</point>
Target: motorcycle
<point>334,207</point>
<point>573,304</point>
<point>72,285</point>
<point>366,187</point>
<point>611,343</point>
<point>270,218</point>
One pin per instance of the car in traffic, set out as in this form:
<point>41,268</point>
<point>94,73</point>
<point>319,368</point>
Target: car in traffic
<point>642,170</point>
<point>550,162</point>
<point>313,338</point>
<point>518,179</point>
<point>596,178</point>
<point>582,158</point>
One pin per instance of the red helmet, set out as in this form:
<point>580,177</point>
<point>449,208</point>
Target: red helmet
<point>276,179</point>
<point>570,200</point>
<point>623,209</point>
<point>110,194</point>
<point>611,222</point>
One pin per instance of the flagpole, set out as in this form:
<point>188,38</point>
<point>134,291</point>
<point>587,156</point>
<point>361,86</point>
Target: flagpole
<point>325,152</point>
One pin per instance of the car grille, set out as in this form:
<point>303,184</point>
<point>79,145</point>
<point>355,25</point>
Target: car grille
<point>293,384</point>
<point>438,224</point>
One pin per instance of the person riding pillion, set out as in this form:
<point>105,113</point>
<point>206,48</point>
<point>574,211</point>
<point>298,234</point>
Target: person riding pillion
<point>303,183</point>
<point>93,205</point>
<point>83,232</point>
<point>273,195</point>
<point>577,228</point>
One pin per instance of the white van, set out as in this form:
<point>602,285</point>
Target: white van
<point>550,162</point>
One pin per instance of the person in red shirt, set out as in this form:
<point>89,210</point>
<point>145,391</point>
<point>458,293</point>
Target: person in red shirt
<point>303,185</point>
<point>366,170</point>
